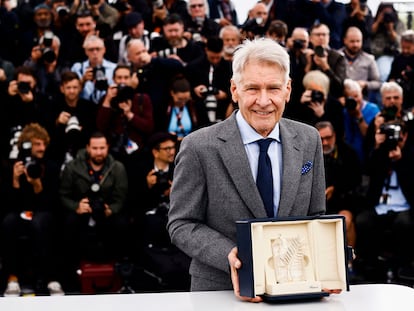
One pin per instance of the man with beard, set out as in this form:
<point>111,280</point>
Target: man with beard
<point>360,65</point>
<point>173,44</point>
<point>30,210</point>
<point>231,37</point>
<point>93,190</point>
<point>342,175</point>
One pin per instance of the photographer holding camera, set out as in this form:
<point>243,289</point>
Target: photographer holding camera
<point>96,72</point>
<point>358,114</point>
<point>23,104</point>
<point>93,191</point>
<point>43,60</point>
<point>389,210</point>
<point>75,120</point>
<point>210,81</point>
<point>153,198</point>
<point>32,205</point>
<point>317,105</point>
<point>326,59</point>
<point>402,67</point>
<point>125,116</point>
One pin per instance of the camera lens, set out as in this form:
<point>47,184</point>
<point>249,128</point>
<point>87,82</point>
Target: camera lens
<point>23,87</point>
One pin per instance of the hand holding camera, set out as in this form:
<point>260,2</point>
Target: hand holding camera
<point>320,57</point>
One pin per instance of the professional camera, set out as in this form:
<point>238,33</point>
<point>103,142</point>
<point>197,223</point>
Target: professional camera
<point>96,202</point>
<point>167,52</point>
<point>389,113</point>
<point>33,167</point>
<point>157,4</point>
<point>124,94</point>
<point>23,87</point>
<point>210,101</point>
<point>392,133</point>
<point>101,84</point>
<point>62,10</point>
<point>48,38</point>
<point>16,131</point>
<point>163,182</point>
<point>298,44</point>
<point>389,17</point>
<point>317,96</point>
<point>72,125</point>
<point>48,55</point>
<point>350,103</point>
<point>319,51</point>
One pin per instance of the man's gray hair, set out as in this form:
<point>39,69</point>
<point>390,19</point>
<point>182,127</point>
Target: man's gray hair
<point>263,50</point>
<point>391,86</point>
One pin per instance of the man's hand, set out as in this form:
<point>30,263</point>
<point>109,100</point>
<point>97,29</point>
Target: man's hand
<point>84,207</point>
<point>151,179</point>
<point>63,117</point>
<point>236,264</point>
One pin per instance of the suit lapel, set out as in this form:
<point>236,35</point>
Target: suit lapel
<point>235,159</point>
<point>292,161</point>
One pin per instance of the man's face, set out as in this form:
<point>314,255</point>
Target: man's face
<point>320,36</point>
<point>97,150</point>
<point>122,76</point>
<point>353,42</point>
<point>95,52</point>
<point>301,35</point>
<point>355,94</point>
<point>197,8</point>
<point>407,48</point>
<point>71,90</point>
<point>392,98</point>
<point>260,12</point>
<point>137,31</point>
<point>135,54</point>
<point>42,18</point>
<point>166,152</point>
<point>85,25</point>
<point>231,39</point>
<point>261,95</point>
<point>328,138</point>
<point>213,57</point>
<point>38,148</point>
<point>173,33</point>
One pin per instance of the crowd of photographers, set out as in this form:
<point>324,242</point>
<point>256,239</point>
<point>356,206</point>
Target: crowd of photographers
<point>97,96</point>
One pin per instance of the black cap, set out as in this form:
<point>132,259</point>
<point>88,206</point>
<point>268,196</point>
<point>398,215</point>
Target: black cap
<point>132,19</point>
<point>159,138</point>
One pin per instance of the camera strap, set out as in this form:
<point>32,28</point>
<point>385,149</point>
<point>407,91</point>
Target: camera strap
<point>99,177</point>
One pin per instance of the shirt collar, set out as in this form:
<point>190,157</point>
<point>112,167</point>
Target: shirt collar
<point>249,135</point>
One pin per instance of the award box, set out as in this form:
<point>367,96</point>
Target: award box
<point>292,258</point>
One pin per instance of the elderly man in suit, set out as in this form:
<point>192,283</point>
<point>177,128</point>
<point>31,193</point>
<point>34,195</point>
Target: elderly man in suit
<point>216,169</point>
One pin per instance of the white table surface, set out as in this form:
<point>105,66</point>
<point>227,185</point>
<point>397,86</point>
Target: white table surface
<point>367,297</point>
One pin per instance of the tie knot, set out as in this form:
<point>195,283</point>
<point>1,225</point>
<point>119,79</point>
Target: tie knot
<point>264,144</point>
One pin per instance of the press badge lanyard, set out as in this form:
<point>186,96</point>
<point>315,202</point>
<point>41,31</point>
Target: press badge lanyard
<point>179,115</point>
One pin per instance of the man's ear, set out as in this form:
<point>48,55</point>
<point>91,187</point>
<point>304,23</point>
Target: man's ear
<point>233,90</point>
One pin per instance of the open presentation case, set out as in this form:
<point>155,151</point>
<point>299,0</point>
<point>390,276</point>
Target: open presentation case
<point>292,258</point>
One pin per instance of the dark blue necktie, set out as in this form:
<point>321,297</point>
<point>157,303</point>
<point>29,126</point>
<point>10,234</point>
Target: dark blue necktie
<point>264,179</point>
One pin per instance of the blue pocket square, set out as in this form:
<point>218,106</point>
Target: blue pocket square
<point>306,167</point>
